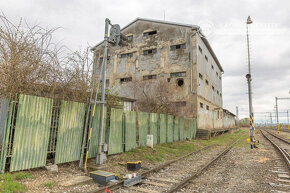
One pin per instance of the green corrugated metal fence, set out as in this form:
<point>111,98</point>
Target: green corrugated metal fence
<point>153,126</point>
<point>95,131</point>
<point>116,132</point>
<point>181,129</point>
<point>170,127</point>
<point>187,129</point>
<point>143,127</point>
<point>130,130</point>
<point>176,133</point>
<point>31,132</point>
<point>70,132</point>
<point>193,128</point>
<point>163,128</point>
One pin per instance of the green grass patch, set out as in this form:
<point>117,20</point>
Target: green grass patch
<point>49,185</point>
<point>22,175</point>
<point>9,185</point>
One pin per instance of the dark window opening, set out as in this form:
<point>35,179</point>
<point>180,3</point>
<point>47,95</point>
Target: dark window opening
<point>146,34</point>
<point>220,94</point>
<point>201,105</point>
<point>212,87</point>
<point>130,37</point>
<point>199,48</point>
<point>128,79</point>
<point>217,74</point>
<point>168,79</point>
<point>212,67</point>
<point>148,77</point>
<point>206,58</point>
<point>179,46</point>
<point>152,51</point>
<point>180,82</point>
<point>200,76</point>
<point>220,77</point>
<point>126,55</point>
<point>207,107</point>
<point>217,92</point>
<point>180,104</point>
<point>206,81</point>
<point>108,58</point>
<point>178,74</point>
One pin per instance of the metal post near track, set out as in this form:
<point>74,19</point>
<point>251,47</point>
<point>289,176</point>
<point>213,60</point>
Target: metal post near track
<point>271,120</point>
<point>277,116</point>
<point>249,80</point>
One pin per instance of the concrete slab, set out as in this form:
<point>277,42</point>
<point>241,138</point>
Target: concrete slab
<point>76,180</point>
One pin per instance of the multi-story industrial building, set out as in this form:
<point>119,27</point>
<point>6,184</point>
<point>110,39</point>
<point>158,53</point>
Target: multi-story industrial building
<point>177,53</point>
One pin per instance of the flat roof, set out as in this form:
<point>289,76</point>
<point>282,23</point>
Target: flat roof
<point>177,24</point>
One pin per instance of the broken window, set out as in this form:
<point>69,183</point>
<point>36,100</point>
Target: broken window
<point>148,77</point>
<point>127,79</point>
<point>201,105</point>
<point>130,37</point>
<point>206,81</point>
<point>146,34</point>
<point>126,55</point>
<point>179,46</point>
<point>212,88</point>
<point>206,58</point>
<point>108,58</point>
<point>152,51</point>
<point>199,48</point>
<point>177,74</point>
<point>207,107</point>
<point>180,104</point>
<point>212,67</point>
<point>200,76</point>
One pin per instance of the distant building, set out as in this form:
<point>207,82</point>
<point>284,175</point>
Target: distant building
<point>175,52</point>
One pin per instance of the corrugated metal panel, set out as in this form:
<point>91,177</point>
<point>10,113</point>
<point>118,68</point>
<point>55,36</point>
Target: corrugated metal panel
<point>143,127</point>
<point>95,131</point>
<point>116,132</point>
<point>31,132</point>
<point>187,129</point>
<point>130,130</point>
<point>176,133</point>
<point>6,131</point>
<point>170,126</point>
<point>4,103</point>
<point>163,128</point>
<point>193,128</point>
<point>181,129</point>
<point>153,126</point>
<point>70,132</point>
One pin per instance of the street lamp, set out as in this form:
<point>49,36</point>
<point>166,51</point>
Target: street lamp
<point>249,80</point>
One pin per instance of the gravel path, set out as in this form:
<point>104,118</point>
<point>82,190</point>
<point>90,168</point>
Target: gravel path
<point>244,171</point>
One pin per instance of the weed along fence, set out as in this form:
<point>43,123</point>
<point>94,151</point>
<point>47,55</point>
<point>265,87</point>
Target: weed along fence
<point>35,131</point>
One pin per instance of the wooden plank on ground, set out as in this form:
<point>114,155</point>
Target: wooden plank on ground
<point>138,189</point>
<point>163,180</point>
<point>156,184</point>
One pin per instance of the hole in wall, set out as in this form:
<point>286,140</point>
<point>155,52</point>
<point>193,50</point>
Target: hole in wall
<point>180,82</point>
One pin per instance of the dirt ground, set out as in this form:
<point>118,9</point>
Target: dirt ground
<point>239,171</point>
<point>243,171</point>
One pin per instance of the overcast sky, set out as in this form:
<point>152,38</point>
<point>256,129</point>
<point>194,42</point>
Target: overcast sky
<point>223,21</point>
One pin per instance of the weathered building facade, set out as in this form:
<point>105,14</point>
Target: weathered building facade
<point>175,53</point>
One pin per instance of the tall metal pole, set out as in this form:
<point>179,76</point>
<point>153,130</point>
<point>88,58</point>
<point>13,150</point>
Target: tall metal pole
<point>249,80</point>
<point>101,156</point>
<point>277,116</point>
<point>271,120</point>
<point>237,117</point>
<point>288,120</point>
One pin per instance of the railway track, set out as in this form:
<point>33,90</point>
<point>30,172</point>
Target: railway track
<point>281,145</point>
<point>176,174</point>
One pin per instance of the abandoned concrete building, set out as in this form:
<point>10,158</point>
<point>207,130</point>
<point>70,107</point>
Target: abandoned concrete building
<point>177,53</point>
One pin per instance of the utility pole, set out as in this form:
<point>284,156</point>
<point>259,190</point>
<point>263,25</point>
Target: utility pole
<point>277,116</point>
<point>271,120</point>
<point>237,117</point>
<point>288,120</point>
<point>249,80</point>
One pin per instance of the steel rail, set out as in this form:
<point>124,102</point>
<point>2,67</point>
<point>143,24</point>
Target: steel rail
<point>156,169</point>
<point>194,175</point>
<point>282,152</point>
<point>278,137</point>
